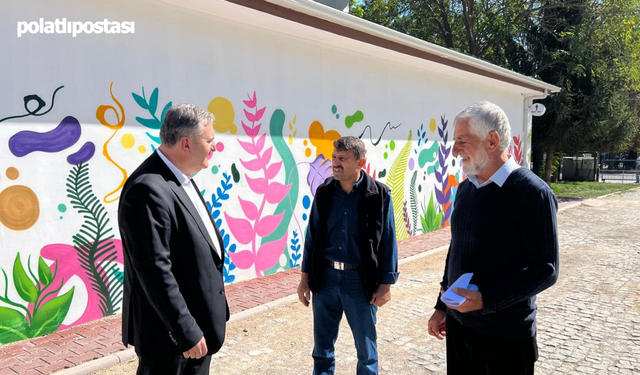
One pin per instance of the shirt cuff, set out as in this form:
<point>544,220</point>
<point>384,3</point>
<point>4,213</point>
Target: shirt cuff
<point>388,278</point>
<point>305,267</point>
<point>440,305</point>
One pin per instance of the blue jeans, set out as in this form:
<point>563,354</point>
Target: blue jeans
<point>342,291</point>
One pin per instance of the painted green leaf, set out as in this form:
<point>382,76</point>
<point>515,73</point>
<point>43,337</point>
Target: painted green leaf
<point>44,272</point>
<point>395,181</point>
<point>141,102</point>
<point>153,101</point>
<point>149,122</point>
<point>23,284</point>
<point>49,317</point>
<point>166,107</point>
<point>235,173</point>
<point>12,325</point>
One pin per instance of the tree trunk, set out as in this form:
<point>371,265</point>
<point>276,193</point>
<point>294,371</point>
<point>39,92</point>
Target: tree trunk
<point>537,156</point>
<point>548,165</point>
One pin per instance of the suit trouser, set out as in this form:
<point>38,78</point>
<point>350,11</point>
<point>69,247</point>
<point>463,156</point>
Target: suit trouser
<point>172,365</point>
<point>342,291</point>
<point>472,352</point>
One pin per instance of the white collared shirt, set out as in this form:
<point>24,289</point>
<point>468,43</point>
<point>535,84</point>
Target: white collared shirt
<point>500,176</point>
<point>189,188</point>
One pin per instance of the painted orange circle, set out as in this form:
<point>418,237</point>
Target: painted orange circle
<point>19,207</point>
<point>12,173</point>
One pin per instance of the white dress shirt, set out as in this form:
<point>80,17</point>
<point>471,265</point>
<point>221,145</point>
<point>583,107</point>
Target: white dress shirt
<point>500,176</point>
<point>194,196</point>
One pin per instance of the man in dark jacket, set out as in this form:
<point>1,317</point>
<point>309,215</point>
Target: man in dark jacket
<point>503,230</point>
<point>174,307</point>
<point>350,257</point>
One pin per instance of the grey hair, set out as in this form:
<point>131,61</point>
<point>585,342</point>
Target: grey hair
<point>183,120</point>
<point>485,117</point>
<point>351,143</point>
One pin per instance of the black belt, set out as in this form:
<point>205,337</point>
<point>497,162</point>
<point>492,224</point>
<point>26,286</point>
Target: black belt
<point>340,266</point>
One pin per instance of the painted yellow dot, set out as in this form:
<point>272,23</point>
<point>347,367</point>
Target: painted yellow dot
<point>12,173</point>
<point>127,140</point>
<point>142,149</point>
<point>307,152</point>
<point>432,125</point>
<point>305,142</point>
<point>290,139</point>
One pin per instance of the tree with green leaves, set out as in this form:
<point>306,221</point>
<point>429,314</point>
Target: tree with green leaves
<point>589,48</point>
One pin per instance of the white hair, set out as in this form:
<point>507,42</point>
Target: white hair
<point>485,117</point>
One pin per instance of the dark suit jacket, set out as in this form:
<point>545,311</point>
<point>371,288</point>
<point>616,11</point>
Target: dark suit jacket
<point>173,285</point>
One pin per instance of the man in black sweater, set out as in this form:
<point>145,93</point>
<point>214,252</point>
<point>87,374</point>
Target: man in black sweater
<point>503,230</point>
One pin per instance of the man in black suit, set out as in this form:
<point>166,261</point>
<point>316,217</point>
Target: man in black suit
<point>174,308</point>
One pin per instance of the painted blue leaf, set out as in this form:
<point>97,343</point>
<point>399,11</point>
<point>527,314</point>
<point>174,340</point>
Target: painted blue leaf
<point>232,267</point>
<point>215,214</point>
<point>232,248</point>
<point>225,240</point>
<point>217,204</point>
<point>141,102</point>
<point>219,222</point>
<point>295,241</point>
<point>224,196</point>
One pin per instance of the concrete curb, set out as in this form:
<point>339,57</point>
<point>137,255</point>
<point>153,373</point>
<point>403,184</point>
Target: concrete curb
<point>572,205</point>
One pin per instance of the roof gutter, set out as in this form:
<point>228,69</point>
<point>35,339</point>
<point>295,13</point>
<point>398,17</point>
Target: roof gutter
<point>317,10</point>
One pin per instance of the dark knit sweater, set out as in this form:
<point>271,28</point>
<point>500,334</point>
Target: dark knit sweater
<point>507,237</point>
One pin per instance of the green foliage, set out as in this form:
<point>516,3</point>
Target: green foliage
<point>588,189</point>
<point>96,251</point>
<point>49,317</point>
<point>589,48</point>
<point>430,219</point>
<point>43,314</point>
<point>24,285</point>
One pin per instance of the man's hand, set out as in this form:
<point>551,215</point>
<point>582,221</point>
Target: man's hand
<point>198,351</point>
<point>473,302</point>
<point>304,293</point>
<point>437,324</point>
<point>382,295</point>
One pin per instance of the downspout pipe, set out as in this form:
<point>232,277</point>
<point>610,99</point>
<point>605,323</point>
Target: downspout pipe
<point>527,125</point>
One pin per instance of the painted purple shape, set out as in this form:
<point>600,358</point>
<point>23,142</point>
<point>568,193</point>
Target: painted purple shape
<point>321,168</point>
<point>411,164</point>
<point>83,155</point>
<point>62,137</point>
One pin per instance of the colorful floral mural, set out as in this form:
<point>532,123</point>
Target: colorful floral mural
<point>259,190</point>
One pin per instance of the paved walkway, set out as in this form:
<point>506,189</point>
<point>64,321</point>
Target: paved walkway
<point>101,338</point>
<point>589,322</point>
